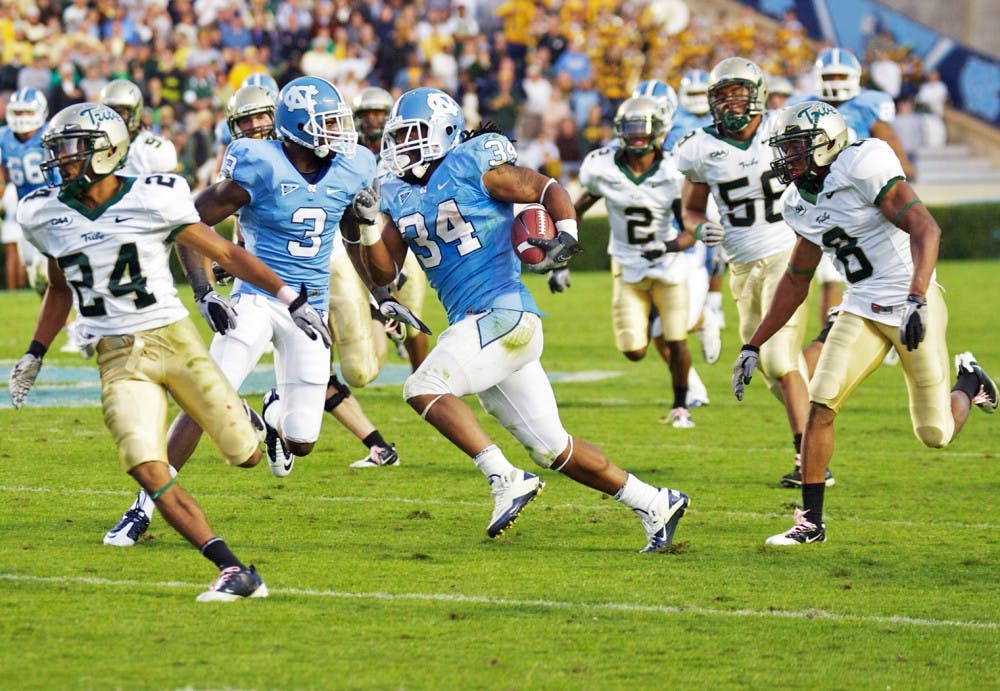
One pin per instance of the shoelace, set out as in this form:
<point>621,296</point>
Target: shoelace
<point>224,576</point>
<point>801,524</point>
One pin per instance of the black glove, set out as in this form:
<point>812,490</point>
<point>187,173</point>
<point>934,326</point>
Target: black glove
<point>216,310</point>
<point>559,279</point>
<point>558,251</point>
<point>913,327</point>
<point>308,319</point>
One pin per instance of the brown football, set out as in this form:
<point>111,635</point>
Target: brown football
<point>533,221</point>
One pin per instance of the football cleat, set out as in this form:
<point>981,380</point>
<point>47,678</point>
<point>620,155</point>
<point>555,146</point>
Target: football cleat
<point>234,583</point>
<point>986,399</point>
<point>680,418</point>
<point>378,456</point>
<point>129,529</point>
<point>256,421</point>
<point>279,457</point>
<point>794,478</point>
<point>710,336</point>
<point>662,517</point>
<point>511,493</point>
<point>803,532</point>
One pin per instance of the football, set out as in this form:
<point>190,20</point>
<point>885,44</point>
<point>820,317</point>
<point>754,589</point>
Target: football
<point>533,221</point>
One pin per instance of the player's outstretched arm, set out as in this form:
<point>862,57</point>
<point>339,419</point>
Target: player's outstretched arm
<point>220,201</point>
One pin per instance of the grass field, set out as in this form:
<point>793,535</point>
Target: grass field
<point>385,578</point>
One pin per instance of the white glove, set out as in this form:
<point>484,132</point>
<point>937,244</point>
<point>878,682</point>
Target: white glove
<point>365,204</point>
<point>22,378</point>
<point>308,319</point>
<point>712,233</point>
<point>744,368</point>
<point>913,327</point>
<point>558,251</point>
<point>559,279</point>
<point>391,309</point>
<point>217,311</point>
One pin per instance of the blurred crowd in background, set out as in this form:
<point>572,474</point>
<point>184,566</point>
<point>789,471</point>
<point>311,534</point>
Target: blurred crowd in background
<point>549,73</point>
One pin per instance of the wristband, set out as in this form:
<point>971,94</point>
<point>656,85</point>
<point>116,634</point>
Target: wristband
<point>751,348</point>
<point>370,234</point>
<point>917,299</point>
<point>568,225</point>
<point>672,246</point>
<point>287,295</point>
<point>38,349</point>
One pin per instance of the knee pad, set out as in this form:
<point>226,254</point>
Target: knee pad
<point>340,393</point>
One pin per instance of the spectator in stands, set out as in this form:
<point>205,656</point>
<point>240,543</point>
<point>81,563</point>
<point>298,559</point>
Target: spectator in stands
<point>66,92</point>
<point>909,126</point>
<point>570,149</point>
<point>39,74</point>
<point>502,103</point>
<point>596,131</point>
<point>575,61</point>
<point>583,99</point>
<point>933,93</point>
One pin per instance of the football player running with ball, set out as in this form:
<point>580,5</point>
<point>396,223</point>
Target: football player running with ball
<point>853,204</point>
<point>731,161</point>
<point>108,241</point>
<point>451,201</point>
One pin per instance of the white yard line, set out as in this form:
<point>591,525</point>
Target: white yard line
<point>452,598</point>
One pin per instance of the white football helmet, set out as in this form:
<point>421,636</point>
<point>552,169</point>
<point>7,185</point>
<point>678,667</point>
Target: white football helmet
<point>641,125</point>
<point>27,110</point>
<point>247,101</point>
<point>744,73</point>
<point>371,108</point>
<point>90,133</point>
<point>663,94</point>
<point>312,113</point>
<point>807,137</point>
<point>423,126</point>
<point>123,95</point>
<point>694,92</point>
<point>838,75</point>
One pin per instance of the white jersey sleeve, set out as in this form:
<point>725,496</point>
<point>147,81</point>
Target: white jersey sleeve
<point>149,154</point>
<point>873,164</point>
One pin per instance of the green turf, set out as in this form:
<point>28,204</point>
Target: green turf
<point>385,578</point>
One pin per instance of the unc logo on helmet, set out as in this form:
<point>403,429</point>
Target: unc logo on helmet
<point>312,113</point>
<point>423,126</point>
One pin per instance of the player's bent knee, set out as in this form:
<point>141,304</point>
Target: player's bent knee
<point>421,383</point>
<point>341,392</point>
<point>932,436</point>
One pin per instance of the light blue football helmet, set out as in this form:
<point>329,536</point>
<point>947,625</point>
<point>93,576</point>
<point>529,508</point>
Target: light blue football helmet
<point>312,113</point>
<point>264,81</point>
<point>694,91</point>
<point>663,94</point>
<point>27,110</point>
<point>423,125</point>
<point>838,75</point>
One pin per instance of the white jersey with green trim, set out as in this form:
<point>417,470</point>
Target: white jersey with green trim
<point>149,153</point>
<point>744,187</point>
<point>115,257</point>
<point>640,209</point>
<point>844,220</point>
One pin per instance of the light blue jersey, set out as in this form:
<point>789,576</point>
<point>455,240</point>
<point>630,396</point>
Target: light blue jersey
<point>459,233</point>
<point>684,121</point>
<point>222,134</point>
<point>23,161</point>
<point>290,223</point>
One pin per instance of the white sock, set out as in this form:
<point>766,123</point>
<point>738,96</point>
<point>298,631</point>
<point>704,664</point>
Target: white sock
<point>491,461</point>
<point>636,494</point>
<point>143,501</point>
<point>696,387</point>
<point>714,300</point>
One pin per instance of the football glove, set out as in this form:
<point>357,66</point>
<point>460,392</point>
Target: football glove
<point>558,251</point>
<point>216,310</point>
<point>222,277</point>
<point>559,279</point>
<point>913,327</point>
<point>391,309</point>
<point>712,233</point>
<point>308,319</point>
<point>653,250</point>
<point>365,204</point>
<point>744,368</point>
<point>22,378</point>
